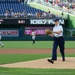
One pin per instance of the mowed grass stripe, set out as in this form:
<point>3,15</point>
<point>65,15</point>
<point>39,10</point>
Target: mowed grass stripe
<point>27,71</point>
<point>38,44</point>
<point>12,58</point>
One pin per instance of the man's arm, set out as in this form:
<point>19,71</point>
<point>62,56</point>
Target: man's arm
<point>52,35</point>
<point>57,32</point>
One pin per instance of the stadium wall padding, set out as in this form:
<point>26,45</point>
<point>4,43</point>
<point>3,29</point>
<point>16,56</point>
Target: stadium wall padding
<point>23,37</point>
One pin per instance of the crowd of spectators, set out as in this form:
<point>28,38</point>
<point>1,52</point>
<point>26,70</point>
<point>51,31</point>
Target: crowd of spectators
<point>38,14</point>
<point>10,13</point>
<point>66,7</point>
<point>24,14</point>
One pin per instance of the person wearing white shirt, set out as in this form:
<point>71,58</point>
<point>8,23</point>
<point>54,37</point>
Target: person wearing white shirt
<point>33,34</point>
<point>0,40</point>
<point>58,41</point>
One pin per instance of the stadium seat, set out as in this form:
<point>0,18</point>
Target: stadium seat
<point>17,7</point>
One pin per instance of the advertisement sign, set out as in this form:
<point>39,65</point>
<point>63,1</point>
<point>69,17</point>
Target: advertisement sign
<point>45,21</point>
<point>9,33</point>
<point>26,22</point>
<point>38,30</point>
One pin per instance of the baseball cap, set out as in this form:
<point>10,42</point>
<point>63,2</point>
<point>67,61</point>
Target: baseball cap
<point>56,19</point>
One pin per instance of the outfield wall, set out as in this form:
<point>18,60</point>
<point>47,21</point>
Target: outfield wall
<point>20,29</point>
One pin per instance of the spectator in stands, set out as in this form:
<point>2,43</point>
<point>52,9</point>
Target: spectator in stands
<point>6,14</point>
<point>24,13</point>
<point>44,14</point>
<point>18,14</point>
<point>62,14</point>
<point>11,10</point>
<point>38,14</point>
<point>13,14</point>
<point>18,1</point>
<point>49,11</point>
<point>21,14</point>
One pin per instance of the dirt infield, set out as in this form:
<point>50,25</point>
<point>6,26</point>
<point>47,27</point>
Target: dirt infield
<point>43,63</point>
<point>40,63</point>
<point>32,51</point>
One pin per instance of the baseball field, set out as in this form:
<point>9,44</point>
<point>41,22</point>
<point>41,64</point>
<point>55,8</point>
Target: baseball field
<point>25,58</point>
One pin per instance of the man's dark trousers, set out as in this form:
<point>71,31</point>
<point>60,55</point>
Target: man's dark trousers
<point>58,41</point>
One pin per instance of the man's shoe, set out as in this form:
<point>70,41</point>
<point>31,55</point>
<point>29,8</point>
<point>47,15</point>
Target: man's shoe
<point>51,61</point>
<point>63,60</point>
<point>2,46</point>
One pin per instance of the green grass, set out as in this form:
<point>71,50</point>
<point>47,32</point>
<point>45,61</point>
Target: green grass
<point>27,71</point>
<point>12,58</point>
<point>38,44</point>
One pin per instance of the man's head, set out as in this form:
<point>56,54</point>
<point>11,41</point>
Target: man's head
<point>56,21</point>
